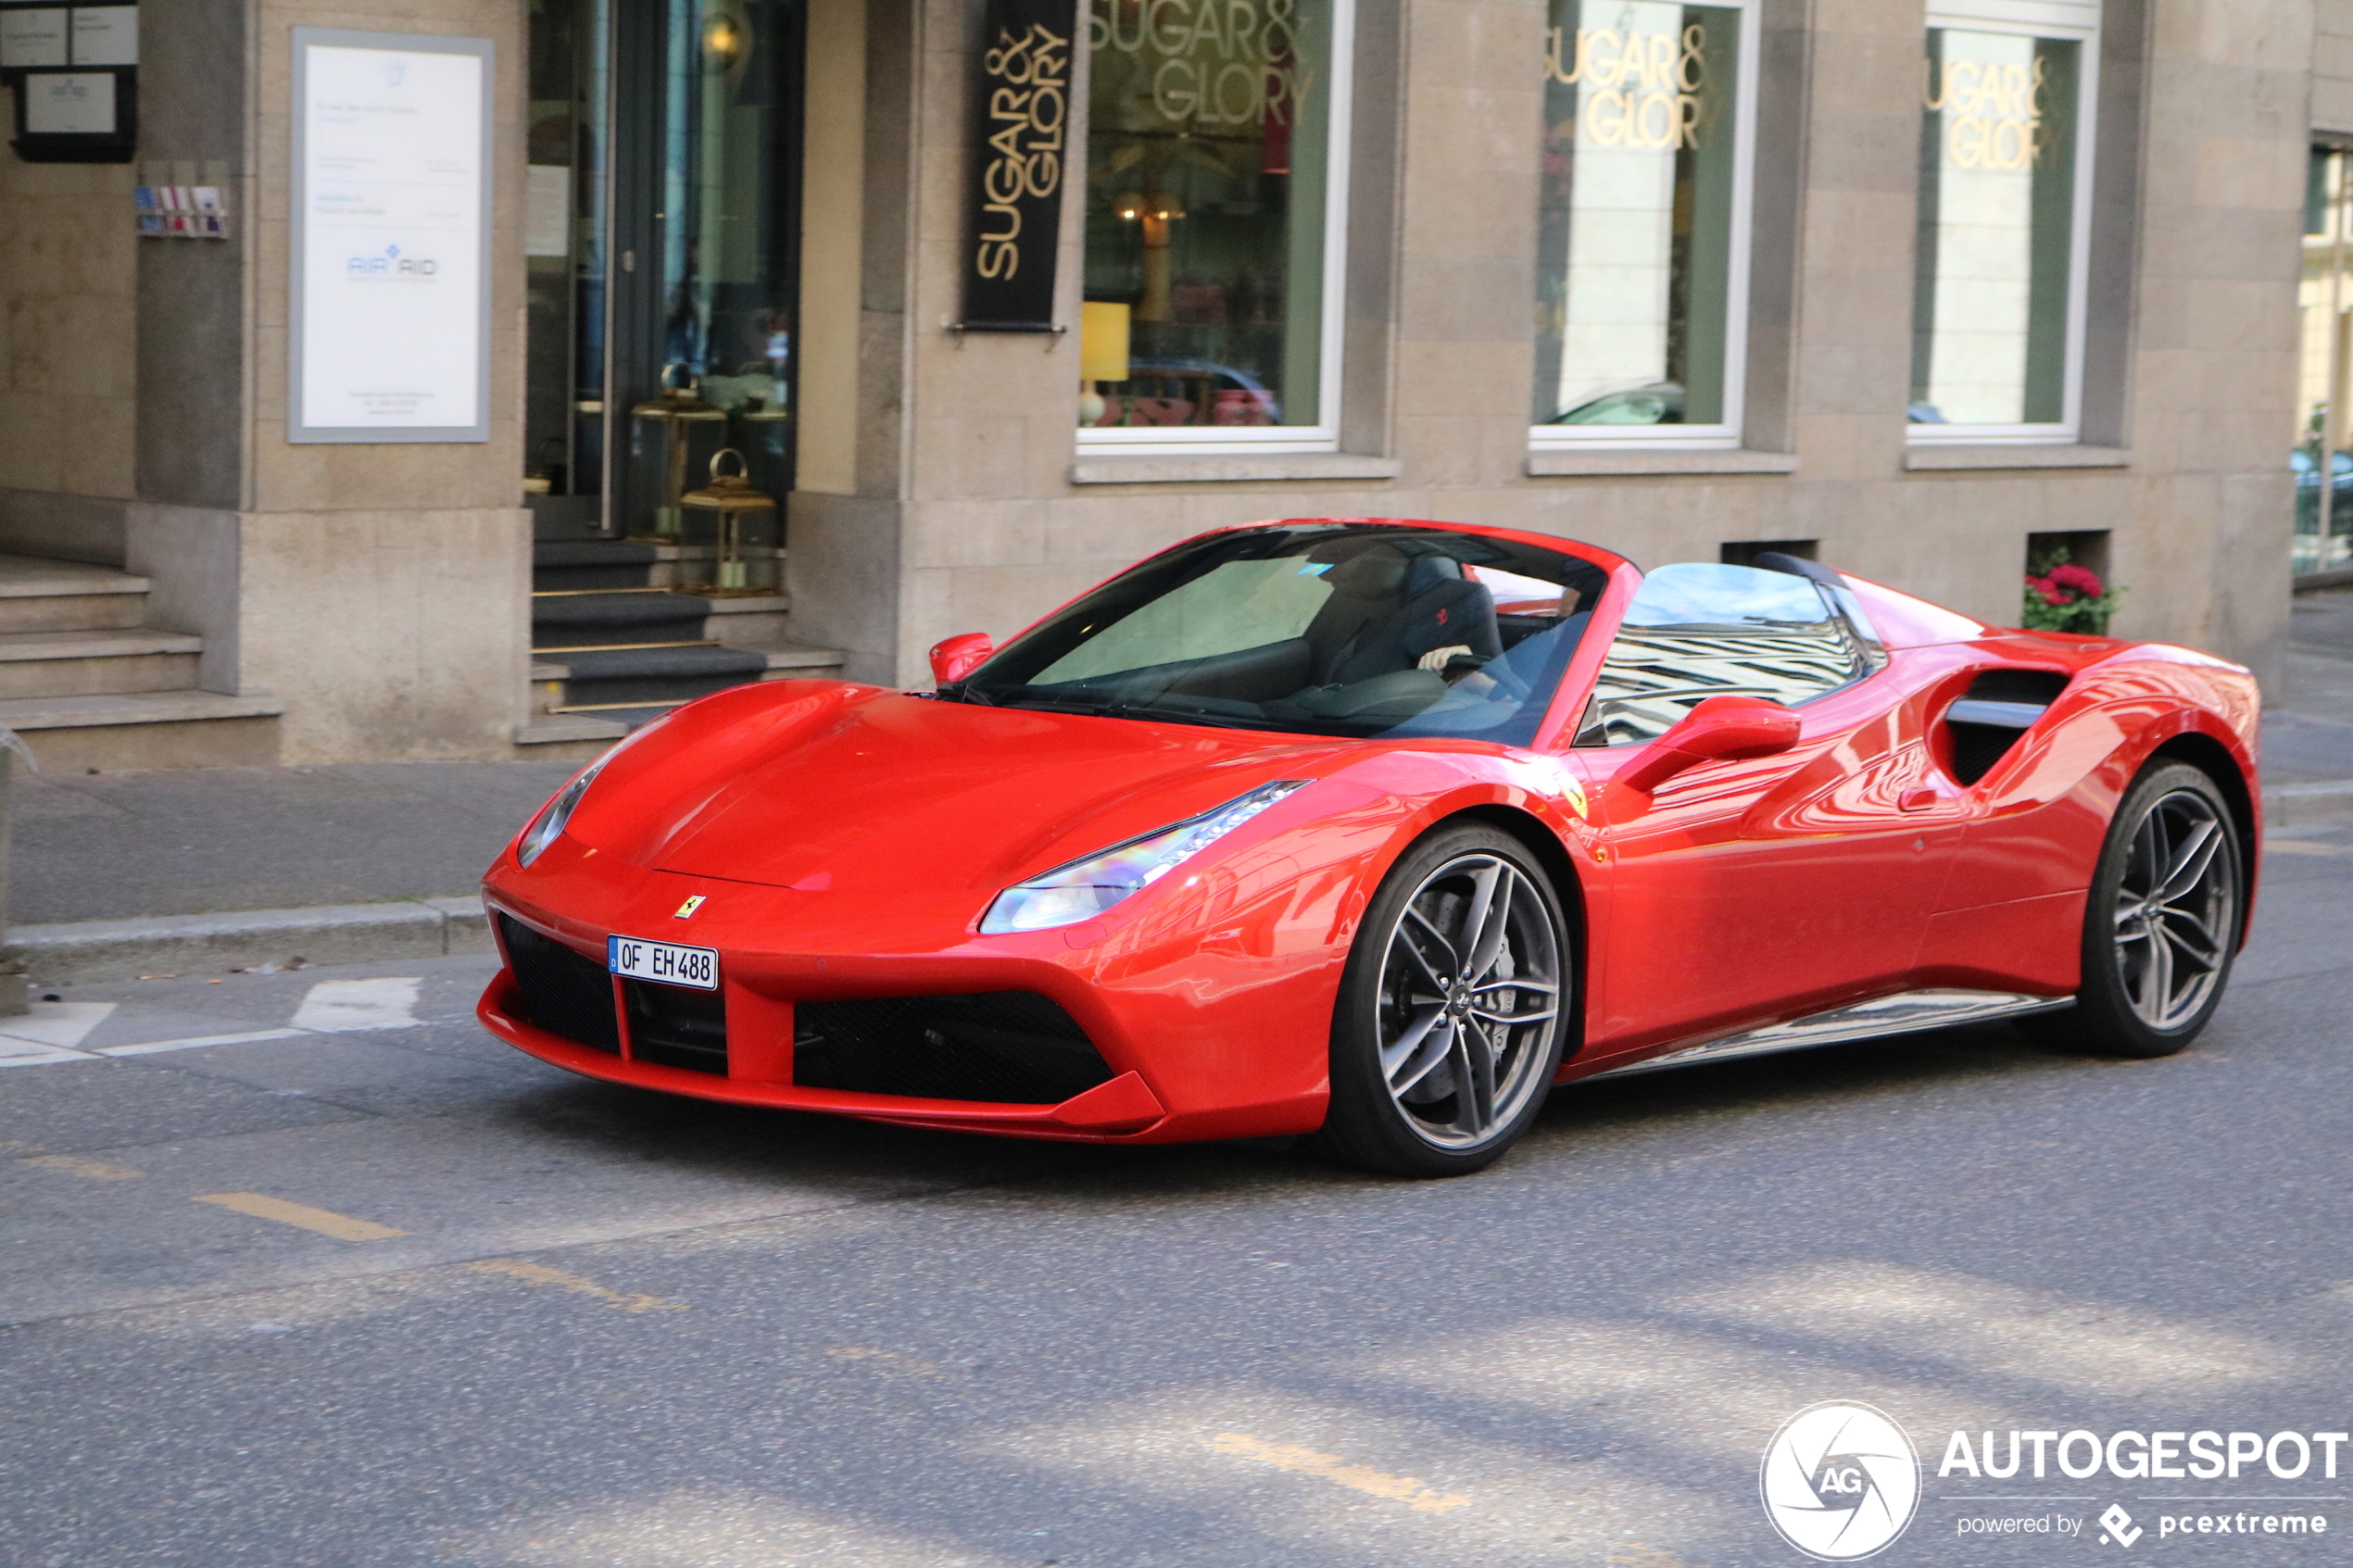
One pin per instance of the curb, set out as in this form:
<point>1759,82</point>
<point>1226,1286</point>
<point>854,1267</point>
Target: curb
<point>2289,805</point>
<point>81,951</point>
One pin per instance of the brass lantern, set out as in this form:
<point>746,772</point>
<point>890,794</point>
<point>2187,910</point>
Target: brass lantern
<point>741,524</point>
<point>672,411</point>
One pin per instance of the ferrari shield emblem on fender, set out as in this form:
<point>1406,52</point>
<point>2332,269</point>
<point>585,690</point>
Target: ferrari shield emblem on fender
<point>689,907</point>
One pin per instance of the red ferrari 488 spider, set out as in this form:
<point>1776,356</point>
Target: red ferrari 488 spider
<point>1377,831</point>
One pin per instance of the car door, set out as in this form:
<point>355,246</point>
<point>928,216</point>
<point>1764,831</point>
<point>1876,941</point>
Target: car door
<point>1745,892</point>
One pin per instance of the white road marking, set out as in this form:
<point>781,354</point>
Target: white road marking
<point>336,1007</point>
<point>151,1046</point>
<point>65,1025</point>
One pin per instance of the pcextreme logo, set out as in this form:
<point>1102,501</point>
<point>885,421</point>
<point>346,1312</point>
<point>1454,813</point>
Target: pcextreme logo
<point>1840,1481</point>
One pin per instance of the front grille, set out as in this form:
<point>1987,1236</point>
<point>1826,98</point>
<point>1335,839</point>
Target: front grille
<point>1009,1047</point>
<point>671,1026</point>
<point>562,992</point>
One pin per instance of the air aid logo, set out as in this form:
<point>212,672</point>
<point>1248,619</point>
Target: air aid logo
<point>1840,1481</point>
<point>393,265</point>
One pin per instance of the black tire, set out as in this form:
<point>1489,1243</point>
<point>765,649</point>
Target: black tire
<point>2155,966</point>
<point>1435,1072</point>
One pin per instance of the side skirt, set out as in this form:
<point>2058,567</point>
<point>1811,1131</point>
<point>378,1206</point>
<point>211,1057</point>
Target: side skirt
<point>1904,1014</point>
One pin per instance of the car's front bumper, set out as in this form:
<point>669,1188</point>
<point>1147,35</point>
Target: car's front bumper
<point>1202,1034</point>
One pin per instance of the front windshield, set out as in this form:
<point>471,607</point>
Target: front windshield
<point>1321,629</point>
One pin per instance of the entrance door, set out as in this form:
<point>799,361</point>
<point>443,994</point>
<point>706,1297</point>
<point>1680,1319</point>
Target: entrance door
<point>663,233</point>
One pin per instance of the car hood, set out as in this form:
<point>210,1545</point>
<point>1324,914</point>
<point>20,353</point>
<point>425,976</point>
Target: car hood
<point>862,789</point>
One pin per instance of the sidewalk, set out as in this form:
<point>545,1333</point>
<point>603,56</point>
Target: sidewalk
<point>117,875</point>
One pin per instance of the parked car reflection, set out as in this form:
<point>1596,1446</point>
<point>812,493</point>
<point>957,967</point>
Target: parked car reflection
<point>1189,391</point>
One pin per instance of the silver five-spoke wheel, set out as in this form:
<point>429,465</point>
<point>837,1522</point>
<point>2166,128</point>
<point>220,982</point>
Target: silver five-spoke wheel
<point>1451,1014</point>
<point>2163,922</point>
<point>2176,909</point>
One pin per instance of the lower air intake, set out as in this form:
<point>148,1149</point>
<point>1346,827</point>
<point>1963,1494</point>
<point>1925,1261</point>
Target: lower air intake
<point>562,992</point>
<point>1013,1048</point>
<point>671,1026</point>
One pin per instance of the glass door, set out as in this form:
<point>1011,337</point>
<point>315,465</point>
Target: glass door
<point>664,332</point>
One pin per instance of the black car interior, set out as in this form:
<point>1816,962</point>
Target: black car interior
<point>1408,640</point>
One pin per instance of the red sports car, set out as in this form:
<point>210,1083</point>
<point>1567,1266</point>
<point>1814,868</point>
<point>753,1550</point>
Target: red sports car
<point>1377,831</point>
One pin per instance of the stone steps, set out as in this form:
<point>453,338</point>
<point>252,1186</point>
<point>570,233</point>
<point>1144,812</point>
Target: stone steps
<point>88,687</point>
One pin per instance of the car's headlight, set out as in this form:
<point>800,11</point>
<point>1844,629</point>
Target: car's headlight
<point>545,827</point>
<point>1083,889</point>
<point>550,825</point>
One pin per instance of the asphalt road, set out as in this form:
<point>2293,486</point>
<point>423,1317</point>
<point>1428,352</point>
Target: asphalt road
<point>548,1322</point>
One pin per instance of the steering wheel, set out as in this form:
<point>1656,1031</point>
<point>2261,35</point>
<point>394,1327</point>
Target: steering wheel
<point>1495,669</point>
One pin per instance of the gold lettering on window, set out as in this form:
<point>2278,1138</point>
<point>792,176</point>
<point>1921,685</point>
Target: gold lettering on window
<point>1645,89</point>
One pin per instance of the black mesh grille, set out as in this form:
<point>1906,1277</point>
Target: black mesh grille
<point>562,992</point>
<point>674,1027</point>
<point>1011,1046</point>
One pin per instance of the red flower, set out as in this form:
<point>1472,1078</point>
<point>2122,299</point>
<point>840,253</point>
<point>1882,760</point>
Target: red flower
<point>2080,581</point>
<point>2042,585</point>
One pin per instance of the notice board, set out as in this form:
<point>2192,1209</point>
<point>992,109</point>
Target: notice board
<point>390,276</point>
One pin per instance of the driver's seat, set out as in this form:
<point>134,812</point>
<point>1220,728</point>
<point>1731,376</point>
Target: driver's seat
<point>1388,609</point>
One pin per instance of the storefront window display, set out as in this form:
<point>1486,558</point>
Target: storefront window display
<point>1216,183</point>
<point>2005,145</point>
<point>1641,224</point>
<point>2322,466</point>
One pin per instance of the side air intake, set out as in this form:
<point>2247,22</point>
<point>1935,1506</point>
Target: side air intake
<point>1999,706</point>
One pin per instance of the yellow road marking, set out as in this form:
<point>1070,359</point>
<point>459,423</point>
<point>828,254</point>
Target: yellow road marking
<point>95,1170</point>
<point>1307,1461</point>
<point>343,1227</point>
<point>540,1274</point>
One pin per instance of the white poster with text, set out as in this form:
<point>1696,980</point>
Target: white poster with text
<point>390,341</point>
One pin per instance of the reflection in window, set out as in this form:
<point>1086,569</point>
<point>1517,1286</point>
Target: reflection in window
<point>1635,235</point>
<point>1207,174</point>
<point>1990,316</point>
<point>2323,468</point>
<point>1700,630</point>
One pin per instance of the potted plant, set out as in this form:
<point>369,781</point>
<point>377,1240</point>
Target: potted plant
<point>2062,597</point>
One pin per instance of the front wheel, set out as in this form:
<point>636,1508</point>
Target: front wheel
<point>1451,1009</point>
<point>2161,924</point>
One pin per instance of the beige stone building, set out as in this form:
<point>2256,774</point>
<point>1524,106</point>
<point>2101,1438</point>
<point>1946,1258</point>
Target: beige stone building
<point>1924,291</point>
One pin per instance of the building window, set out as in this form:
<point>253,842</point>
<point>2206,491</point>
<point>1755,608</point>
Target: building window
<point>2323,467</point>
<point>1216,185</point>
<point>1642,219</point>
<point>2005,144</point>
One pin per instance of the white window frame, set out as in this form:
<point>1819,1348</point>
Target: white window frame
<point>1724,435</point>
<point>1278,440</point>
<point>2076,21</point>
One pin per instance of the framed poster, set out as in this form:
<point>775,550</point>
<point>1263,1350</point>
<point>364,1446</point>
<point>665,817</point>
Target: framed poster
<point>390,275</point>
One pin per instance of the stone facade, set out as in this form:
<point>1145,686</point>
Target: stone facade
<point>380,592</point>
<point>978,508</point>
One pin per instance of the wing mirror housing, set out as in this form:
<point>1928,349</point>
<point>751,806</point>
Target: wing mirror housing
<point>1722,729</point>
<point>957,657</point>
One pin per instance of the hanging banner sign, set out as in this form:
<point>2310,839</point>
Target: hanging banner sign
<point>1021,103</point>
<point>391,226</point>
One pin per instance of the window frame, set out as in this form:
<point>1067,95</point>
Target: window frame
<point>1727,433</point>
<point>1276,440</point>
<point>2077,21</point>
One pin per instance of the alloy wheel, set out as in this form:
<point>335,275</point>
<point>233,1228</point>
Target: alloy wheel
<point>1469,999</point>
<point>2176,909</point>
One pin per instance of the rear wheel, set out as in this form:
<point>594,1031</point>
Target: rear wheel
<point>1451,1010</point>
<point>2162,922</point>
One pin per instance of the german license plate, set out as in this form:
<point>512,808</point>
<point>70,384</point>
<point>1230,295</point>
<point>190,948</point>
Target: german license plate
<point>664,961</point>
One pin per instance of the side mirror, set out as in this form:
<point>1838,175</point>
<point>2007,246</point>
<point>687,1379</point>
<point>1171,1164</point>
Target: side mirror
<point>958,657</point>
<point>1722,729</point>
